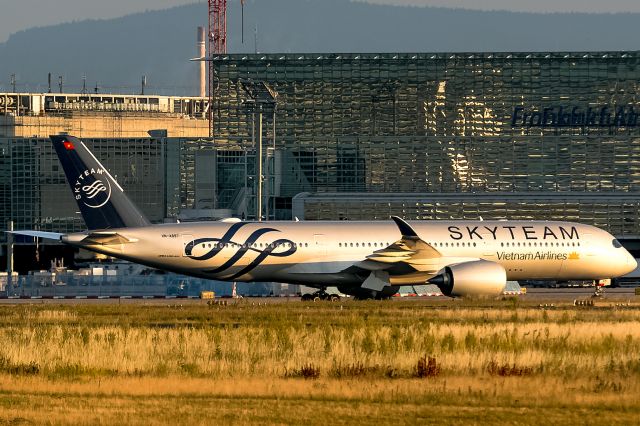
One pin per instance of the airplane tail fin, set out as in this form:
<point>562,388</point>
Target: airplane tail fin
<point>102,202</point>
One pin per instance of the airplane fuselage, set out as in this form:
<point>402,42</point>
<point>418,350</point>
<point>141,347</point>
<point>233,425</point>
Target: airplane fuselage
<point>324,253</point>
<point>364,259</point>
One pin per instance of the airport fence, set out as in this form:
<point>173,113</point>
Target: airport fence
<point>165,285</point>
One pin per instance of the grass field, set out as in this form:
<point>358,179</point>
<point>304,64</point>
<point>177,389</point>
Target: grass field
<point>329,363</point>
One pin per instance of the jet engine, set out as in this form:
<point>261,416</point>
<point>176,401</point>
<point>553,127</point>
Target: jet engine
<point>476,278</point>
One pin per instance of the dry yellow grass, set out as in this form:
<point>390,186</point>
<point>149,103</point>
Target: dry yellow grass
<point>197,365</point>
<point>563,349</point>
<point>179,400</point>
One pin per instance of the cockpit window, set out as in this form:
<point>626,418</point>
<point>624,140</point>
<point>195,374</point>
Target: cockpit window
<point>616,243</point>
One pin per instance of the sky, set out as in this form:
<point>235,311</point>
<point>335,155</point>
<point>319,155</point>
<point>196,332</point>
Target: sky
<point>543,6</point>
<point>19,15</point>
<point>23,14</point>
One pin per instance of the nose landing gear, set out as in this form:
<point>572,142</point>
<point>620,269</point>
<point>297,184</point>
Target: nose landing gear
<point>599,287</point>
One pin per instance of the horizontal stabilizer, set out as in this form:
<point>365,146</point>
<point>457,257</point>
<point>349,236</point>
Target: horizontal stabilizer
<point>38,234</point>
<point>107,238</point>
<point>98,238</point>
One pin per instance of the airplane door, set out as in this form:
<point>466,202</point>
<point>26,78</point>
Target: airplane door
<point>588,248</point>
<point>320,244</point>
<point>186,239</point>
<point>488,245</point>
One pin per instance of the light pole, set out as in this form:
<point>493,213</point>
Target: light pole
<point>259,173</point>
<point>9,256</point>
<point>259,94</point>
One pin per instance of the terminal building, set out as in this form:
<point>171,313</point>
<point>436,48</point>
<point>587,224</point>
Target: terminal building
<point>352,137</point>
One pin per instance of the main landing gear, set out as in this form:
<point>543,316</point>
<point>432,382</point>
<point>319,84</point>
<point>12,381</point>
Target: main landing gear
<point>320,295</point>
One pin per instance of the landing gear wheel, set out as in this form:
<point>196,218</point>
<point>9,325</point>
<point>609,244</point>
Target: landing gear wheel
<point>363,298</point>
<point>598,292</point>
<point>599,287</point>
<point>319,295</point>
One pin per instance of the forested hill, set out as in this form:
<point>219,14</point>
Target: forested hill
<point>116,53</point>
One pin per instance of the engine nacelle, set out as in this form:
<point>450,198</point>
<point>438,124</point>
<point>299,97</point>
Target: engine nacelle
<point>476,278</point>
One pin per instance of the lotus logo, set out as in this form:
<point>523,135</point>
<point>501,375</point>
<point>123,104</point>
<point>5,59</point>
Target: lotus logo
<point>94,189</point>
<point>91,189</point>
<point>214,246</point>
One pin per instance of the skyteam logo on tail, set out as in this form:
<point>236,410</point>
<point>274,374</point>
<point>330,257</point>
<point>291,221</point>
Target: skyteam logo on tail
<point>92,188</point>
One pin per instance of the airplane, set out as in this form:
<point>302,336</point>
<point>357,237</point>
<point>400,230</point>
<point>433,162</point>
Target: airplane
<point>366,259</point>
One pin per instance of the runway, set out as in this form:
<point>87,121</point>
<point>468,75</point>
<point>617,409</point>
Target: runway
<point>579,293</point>
<point>542,295</point>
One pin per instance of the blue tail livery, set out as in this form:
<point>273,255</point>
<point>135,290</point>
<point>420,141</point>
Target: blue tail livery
<point>102,201</point>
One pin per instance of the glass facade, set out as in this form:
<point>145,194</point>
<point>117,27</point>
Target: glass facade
<point>619,214</point>
<point>428,136</point>
<point>520,123</point>
<point>37,195</point>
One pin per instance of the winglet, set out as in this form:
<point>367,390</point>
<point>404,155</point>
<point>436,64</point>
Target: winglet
<point>405,229</point>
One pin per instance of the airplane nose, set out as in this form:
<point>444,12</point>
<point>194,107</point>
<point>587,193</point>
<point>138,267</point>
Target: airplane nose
<point>632,263</point>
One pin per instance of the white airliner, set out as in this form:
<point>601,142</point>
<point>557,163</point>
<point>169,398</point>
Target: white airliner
<point>364,259</point>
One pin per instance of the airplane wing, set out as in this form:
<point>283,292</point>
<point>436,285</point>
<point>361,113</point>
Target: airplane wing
<point>409,250</point>
<point>410,256</point>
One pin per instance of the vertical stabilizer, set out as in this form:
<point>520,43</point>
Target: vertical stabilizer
<point>102,202</point>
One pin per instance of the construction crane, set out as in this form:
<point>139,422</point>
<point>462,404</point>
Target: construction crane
<point>217,45</point>
<point>217,26</point>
